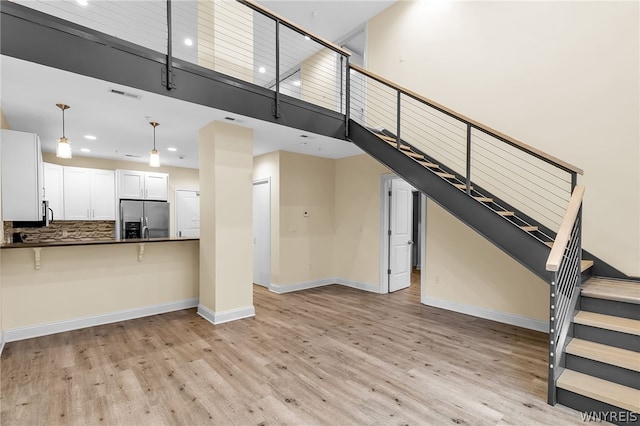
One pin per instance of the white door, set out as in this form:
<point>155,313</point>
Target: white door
<point>187,213</point>
<point>400,220</point>
<point>262,233</point>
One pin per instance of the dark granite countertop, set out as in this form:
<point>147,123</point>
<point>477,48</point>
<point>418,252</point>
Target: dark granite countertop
<point>64,243</point>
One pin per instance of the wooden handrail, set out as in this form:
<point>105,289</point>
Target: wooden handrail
<point>523,146</point>
<point>564,233</point>
<point>255,6</point>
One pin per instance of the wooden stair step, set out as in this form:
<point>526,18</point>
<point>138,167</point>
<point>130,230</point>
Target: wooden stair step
<point>602,390</point>
<point>549,243</point>
<point>395,145</point>
<point>608,322</point>
<point>607,354</point>
<point>483,199</point>
<point>429,165</point>
<point>603,288</point>
<point>462,186</point>
<point>445,175</point>
<point>385,137</point>
<point>586,264</point>
<point>506,213</point>
<point>414,154</point>
<point>529,228</point>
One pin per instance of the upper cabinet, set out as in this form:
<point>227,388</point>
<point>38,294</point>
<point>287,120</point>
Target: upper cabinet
<point>89,194</point>
<point>22,182</point>
<point>54,189</point>
<point>136,185</point>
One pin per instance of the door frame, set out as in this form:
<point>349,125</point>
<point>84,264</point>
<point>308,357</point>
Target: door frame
<point>266,181</point>
<point>175,207</point>
<point>385,187</point>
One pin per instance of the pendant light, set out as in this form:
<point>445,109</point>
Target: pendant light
<point>154,156</point>
<point>63,149</point>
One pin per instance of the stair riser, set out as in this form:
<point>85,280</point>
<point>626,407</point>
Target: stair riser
<point>604,371</point>
<point>607,337</point>
<point>585,404</point>
<point>610,307</point>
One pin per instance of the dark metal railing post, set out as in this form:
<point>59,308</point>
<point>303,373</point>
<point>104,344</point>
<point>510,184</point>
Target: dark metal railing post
<point>277,100</point>
<point>341,83</point>
<point>574,181</point>
<point>169,70</point>
<point>398,123</point>
<point>551,381</point>
<point>468,159</point>
<point>347,98</point>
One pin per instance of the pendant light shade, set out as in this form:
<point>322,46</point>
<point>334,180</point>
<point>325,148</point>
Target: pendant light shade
<point>63,149</point>
<point>154,156</point>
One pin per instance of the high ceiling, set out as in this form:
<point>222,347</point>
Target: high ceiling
<point>120,123</point>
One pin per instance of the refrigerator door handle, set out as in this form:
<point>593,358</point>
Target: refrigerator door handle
<point>145,227</point>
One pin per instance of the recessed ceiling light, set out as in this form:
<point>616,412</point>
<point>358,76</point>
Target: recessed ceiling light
<point>90,137</point>
<point>172,149</point>
<point>82,2</point>
<point>85,150</point>
<point>304,136</point>
<point>188,42</point>
<point>262,70</point>
<point>307,38</point>
<point>296,83</point>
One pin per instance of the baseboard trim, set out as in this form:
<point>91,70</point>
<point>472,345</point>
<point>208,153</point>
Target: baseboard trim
<point>216,318</point>
<point>373,288</point>
<point>503,317</point>
<point>304,285</point>
<point>29,332</point>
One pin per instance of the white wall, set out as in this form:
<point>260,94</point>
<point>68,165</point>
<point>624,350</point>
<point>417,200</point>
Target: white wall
<point>560,76</point>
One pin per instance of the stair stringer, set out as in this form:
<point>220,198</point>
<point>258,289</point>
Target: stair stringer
<point>512,240</point>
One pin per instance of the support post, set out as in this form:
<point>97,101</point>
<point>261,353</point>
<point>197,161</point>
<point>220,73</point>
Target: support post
<point>170,84</point>
<point>398,122</point>
<point>468,182</point>
<point>347,98</point>
<point>277,109</point>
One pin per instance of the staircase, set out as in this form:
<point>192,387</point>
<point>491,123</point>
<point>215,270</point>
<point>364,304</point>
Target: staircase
<point>602,364</point>
<point>594,362</point>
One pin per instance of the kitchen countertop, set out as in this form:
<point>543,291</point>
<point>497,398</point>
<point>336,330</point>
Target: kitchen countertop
<point>63,243</point>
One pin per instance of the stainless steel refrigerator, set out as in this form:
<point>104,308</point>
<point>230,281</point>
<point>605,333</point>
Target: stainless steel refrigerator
<point>144,219</point>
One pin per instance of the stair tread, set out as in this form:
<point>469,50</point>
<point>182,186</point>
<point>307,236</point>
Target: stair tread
<point>429,164</point>
<point>586,264</point>
<point>461,186</point>
<point>602,390</point>
<point>529,228</point>
<point>413,154</point>
<point>395,145</point>
<point>608,322</point>
<point>608,354</point>
<point>445,175</point>
<point>603,288</point>
<point>506,213</point>
<point>484,199</point>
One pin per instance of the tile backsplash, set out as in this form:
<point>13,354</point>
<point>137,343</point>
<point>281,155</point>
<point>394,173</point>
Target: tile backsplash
<point>64,231</point>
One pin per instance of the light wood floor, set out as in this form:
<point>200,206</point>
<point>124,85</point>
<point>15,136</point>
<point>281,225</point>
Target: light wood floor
<point>327,356</point>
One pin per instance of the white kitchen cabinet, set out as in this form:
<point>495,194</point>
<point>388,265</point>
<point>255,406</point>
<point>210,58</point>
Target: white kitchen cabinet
<point>130,184</point>
<point>89,194</point>
<point>22,183</point>
<point>137,185</point>
<point>103,195</point>
<point>156,186</point>
<point>54,189</point>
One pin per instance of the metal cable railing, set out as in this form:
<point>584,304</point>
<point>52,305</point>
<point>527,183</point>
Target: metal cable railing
<point>565,262</point>
<point>494,165</point>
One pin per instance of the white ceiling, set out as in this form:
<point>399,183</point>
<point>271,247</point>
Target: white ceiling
<point>30,92</point>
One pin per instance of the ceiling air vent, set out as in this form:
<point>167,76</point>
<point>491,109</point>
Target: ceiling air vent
<point>132,156</point>
<point>126,94</point>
